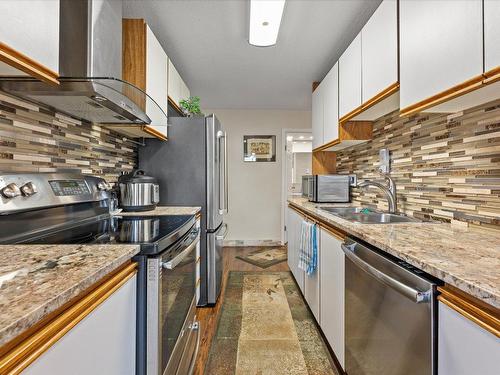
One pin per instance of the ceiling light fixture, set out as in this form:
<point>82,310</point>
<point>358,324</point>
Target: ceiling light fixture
<point>265,20</point>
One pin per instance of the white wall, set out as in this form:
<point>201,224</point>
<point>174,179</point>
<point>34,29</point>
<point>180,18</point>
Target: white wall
<point>255,188</point>
<point>302,166</point>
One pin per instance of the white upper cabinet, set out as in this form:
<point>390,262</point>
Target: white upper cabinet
<point>29,34</point>
<point>317,116</point>
<point>185,93</point>
<point>156,81</point>
<point>441,46</point>
<point>177,88</point>
<point>379,56</point>
<point>174,83</point>
<point>331,105</point>
<point>491,34</point>
<point>350,78</point>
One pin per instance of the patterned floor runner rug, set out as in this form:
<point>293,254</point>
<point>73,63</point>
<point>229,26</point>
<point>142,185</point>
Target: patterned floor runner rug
<point>265,328</point>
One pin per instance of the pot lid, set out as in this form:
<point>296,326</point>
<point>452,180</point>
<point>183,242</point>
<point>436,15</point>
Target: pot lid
<point>137,176</point>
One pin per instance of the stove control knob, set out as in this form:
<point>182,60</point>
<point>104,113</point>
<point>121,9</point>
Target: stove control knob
<point>28,189</point>
<point>11,191</point>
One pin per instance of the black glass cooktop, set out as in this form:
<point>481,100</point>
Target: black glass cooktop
<point>153,233</point>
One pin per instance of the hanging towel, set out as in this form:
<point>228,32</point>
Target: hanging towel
<point>308,250</point>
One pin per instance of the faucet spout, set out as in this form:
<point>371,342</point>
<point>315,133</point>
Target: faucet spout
<point>389,191</point>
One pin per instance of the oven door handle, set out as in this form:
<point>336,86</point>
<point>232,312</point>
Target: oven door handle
<point>171,264</point>
<point>195,327</point>
<point>413,294</point>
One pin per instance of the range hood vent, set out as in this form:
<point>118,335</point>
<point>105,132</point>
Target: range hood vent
<point>90,64</point>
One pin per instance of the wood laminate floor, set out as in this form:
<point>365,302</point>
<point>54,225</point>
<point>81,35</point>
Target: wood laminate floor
<point>208,316</point>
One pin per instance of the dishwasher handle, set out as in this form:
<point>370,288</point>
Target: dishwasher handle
<point>407,291</point>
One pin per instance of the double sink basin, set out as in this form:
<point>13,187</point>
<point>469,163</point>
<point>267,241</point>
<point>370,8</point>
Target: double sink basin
<point>368,216</point>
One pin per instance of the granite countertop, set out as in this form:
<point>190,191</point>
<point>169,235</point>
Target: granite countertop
<point>466,258</point>
<point>35,280</point>
<point>164,210</point>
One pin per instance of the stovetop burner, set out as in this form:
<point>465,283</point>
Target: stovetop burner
<point>153,233</point>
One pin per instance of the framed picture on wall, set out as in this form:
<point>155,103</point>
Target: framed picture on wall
<point>259,148</point>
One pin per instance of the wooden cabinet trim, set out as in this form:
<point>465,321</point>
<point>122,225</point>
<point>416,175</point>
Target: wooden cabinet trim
<point>151,131</point>
<point>388,91</point>
<point>492,75</point>
<point>324,162</point>
<point>350,131</point>
<point>463,88</point>
<point>479,312</point>
<point>28,350</point>
<point>175,105</point>
<point>333,231</point>
<point>322,223</point>
<point>134,57</point>
<point>29,66</point>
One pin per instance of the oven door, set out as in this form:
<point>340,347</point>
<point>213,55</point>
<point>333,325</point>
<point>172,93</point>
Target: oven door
<point>170,310</point>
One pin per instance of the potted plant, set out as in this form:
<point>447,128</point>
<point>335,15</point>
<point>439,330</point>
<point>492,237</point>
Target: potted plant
<point>191,106</point>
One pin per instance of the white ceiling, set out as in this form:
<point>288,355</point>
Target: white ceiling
<point>207,41</point>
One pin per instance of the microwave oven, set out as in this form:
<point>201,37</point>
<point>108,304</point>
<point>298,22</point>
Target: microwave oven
<point>333,188</point>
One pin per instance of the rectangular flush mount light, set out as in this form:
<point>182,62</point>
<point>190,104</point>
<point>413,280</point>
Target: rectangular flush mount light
<point>265,20</point>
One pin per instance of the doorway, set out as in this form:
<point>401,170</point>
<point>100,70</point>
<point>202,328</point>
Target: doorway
<point>297,162</point>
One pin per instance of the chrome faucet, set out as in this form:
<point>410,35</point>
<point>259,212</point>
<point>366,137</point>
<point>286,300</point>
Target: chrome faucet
<point>389,190</point>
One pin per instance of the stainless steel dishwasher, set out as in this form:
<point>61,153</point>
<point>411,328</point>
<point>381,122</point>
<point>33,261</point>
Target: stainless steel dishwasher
<point>391,315</point>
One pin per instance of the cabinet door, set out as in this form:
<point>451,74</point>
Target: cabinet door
<point>31,27</point>
<point>102,343</point>
<point>295,222</point>
<point>317,117</point>
<point>174,83</point>
<point>311,285</point>
<point>332,293</point>
<point>156,81</point>
<point>379,46</point>
<point>185,94</point>
<point>465,348</point>
<point>331,105</point>
<point>491,34</point>
<point>350,78</point>
<point>290,233</point>
<point>441,46</point>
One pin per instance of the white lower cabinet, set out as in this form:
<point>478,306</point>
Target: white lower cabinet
<point>312,286</point>
<point>293,228</point>
<point>465,348</point>
<point>331,272</point>
<point>102,343</point>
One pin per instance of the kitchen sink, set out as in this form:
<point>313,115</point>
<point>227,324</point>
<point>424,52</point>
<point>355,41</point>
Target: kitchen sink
<point>339,211</point>
<point>368,216</point>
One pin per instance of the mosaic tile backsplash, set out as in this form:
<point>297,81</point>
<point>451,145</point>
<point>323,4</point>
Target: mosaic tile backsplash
<point>446,167</point>
<point>34,139</point>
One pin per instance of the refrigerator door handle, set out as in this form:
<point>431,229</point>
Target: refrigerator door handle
<point>221,136</point>
<point>226,177</point>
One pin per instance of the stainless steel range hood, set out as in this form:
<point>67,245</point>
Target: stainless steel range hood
<point>90,69</point>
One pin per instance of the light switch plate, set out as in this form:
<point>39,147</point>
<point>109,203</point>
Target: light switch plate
<point>385,160</point>
<point>353,180</point>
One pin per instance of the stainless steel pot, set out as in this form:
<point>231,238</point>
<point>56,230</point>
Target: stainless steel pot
<point>138,192</point>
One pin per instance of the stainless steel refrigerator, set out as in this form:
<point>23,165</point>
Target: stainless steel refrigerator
<point>191,168</point>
